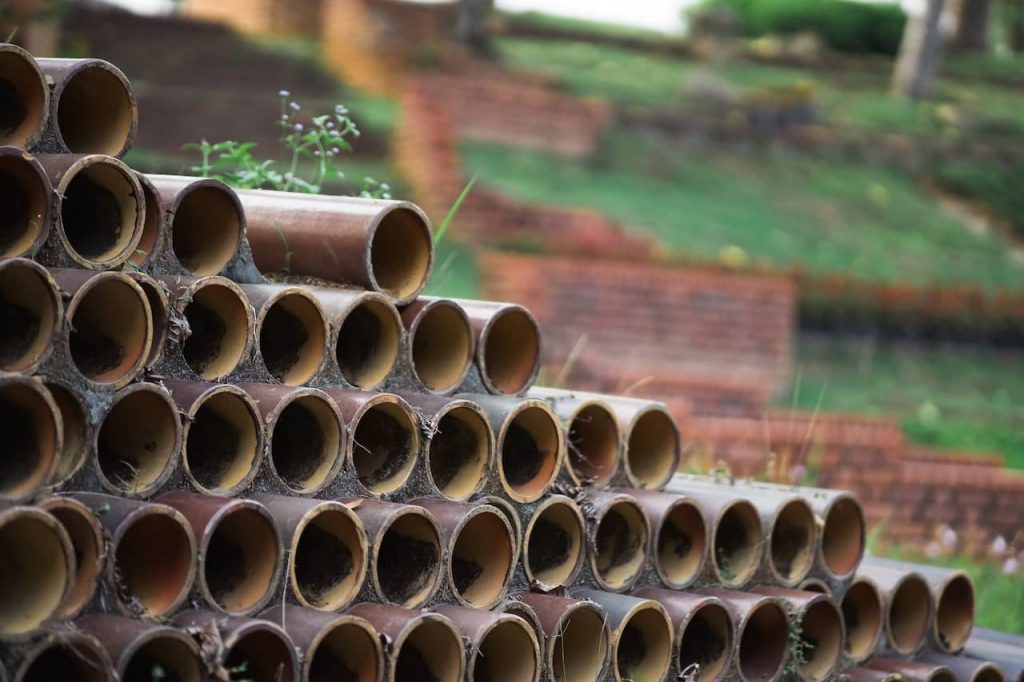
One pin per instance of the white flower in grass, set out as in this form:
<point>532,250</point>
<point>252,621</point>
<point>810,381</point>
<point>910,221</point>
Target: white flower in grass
<point>1011,565</point>
<point>999,545</point>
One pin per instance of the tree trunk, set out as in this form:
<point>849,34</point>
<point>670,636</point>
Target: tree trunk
<point>973,21</point>
<point>920,53</point>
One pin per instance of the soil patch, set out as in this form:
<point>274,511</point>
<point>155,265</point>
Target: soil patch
<point>678,543</point>
<point>405,566</point>
<point>94,353</point>
<point>464,573</point>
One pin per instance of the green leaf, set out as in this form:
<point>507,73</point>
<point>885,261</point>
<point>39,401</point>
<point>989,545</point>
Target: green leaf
<point>443,227</point>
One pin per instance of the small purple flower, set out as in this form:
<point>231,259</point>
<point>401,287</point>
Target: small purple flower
<point>335,133</point>
<point>335,150</point>
<point>298,127</point>
<point>341,109</point>
<point>284,117</point>
<point>294,106</point>
<point>385,186</point>
<point>316,152</point>
<point>284,93</point>
<point>1011,565</point>
<point>949,538</point>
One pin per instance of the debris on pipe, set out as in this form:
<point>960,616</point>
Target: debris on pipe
<point>220,323</point>
<point>248,649</point>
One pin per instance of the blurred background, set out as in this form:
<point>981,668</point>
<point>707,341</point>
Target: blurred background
<point>798,222</point>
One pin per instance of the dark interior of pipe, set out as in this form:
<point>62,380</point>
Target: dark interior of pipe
<point>305,442</point>
<point>681,545</point>
<point>261,655</point>
<point>954,616</point>
<point>792,541</point>
<point>67,659</point>
<point>481,559</point>
<point>706,642</point>
<point>384,447</point>
<point>34,576</point>
<point>432,651</point>
<point>137,441</point>
<point>909,611</point>
<point>153,564</point>
<point>652,449</point>
<point>737,543</point>
<point>822,641</point>
<point>441,347</point>
<point>620,544</point>
<point>580,648</point>
<point>328,560</point>
<point>553,544</point>
<point>409,561</point>
<point>764,643</point>
<point>593,445</point>
<point>241,560</point>
<point>346,652</point>
<point>511,351</point>
<point>223,443</point>
<point>23,202</point>
<point>28,431</point>
<point>166,657</point>
<point>22,99</point>
<point>529,452</point>
<point>644,649</point>
<point>458,453</point>
<point>98,212</point>
<point>292,339</point>
<point>842,537</point>
<point>109,329</point>
<point>95,112</point>
<point>367,344</point>
<point>862,613</point>
<point>507,654</point>
<point>219,324</point>
<point>206,230</point>
<point>400,253</point>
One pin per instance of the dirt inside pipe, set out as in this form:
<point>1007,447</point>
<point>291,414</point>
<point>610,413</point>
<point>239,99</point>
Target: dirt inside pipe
<point>328,560</point>
<point>23,201</point>
<point>511,351</point>
<point>506,654</point>
<point>909,612</point>
<point>481,560</point>
<point>261,655</point>
<point>620,544</point>
<point>861,607</point>
<point>367,344</point>
<point>553,544</point>
<point>29,431</point>
<point>87,542</point>
<point>822,641</point>
<point>22,99</point>
<point>292,337</point>
<point>579,650</point>
<point>644,649</point>
<point>842,537</point>
<point>206,230</point>
<point>737,543</point>
<point>792,541</point>
<point>99,211</point>
<point>67,659</point>
<point>153,565</point>
<point>94,113</point>
<point>384,448</point>
<point>764,643</point>
<point>458,453</point>
<point>408,561</point>
<point>441,347</point>
<point>165,659</point>
<point>706,642</point>
<point>652,449</point>
<point>137,441</point>
<point>241,560</point>
<point>73,449</point>
<point>223,445</point>
<point>529,453</point>
<point>954,615</point>
<point>219,324</point>
<point>109,330</point>
<point>400,253</point>
<point>33,573</point>
<point>345,654</point>
<point>593,445</point>
<point>681,544</point>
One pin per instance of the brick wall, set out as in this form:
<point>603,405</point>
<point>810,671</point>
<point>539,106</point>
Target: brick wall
<point>262,17</point>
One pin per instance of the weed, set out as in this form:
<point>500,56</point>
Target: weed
<point>799,648</point>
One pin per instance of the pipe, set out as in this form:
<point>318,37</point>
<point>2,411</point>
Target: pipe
<point>499,647</point>
<point>863,608</point>
<point>37,573</point>
<point>144,651</point>
<point>441,343</point>
<point>248,649</point>
<point>89,547</point>
<point>33,438</point>
<point>815,585</point>
<point>240,551</point>
<point>576,636</point>
<point>222,432</point>
<point>703,633</point>
<point>25,193</point>
<point>680,534</point>
<point>152,223</point>
<point>66,655</point>
<point>151,555</point>
<point>908,606</point>
<point>204,219</point>
<point>92,107</point>
<point>326,550</point>
<point>478,544</point>
<point>762,634</point>
<point>73,449</point>
<point>817,631</point>
<point>138,440</point>
<point>507,345</point>
<point>511,514</point>
<point>619,536</point>
<point>640,635</point>
<point>868,675</point>
<point>160,314</point>
<point>31,312</point>
<point>736,536</point>
<point>332,646</point>
<point>553,549</point>
<point>220,323</point>
<point>527,615</point>
<point>24,98</point>
<point>988,646</point>
<point>305,434</point>
<point>966,669</point>
<point>652,442</point>
<point>594,443</point>
<point>292,331</point>
<point>384,440</point>
<point>383,246</point>
<point>366,334</point>
<point>109,326</point>
<point>421,646</point>
<point>910,671</point>
<point>100,209</point>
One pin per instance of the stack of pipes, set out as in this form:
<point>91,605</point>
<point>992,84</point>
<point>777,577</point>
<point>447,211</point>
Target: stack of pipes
<point>243,447</point>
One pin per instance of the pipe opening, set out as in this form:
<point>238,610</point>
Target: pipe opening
<point>24,199</point>
<point>620,544</point>
<point>328,559</point>
<point>707,642</point>
<point>28,430</point>
<point>166,656</point>
<point>529,453</point>
<point>764,643</point>
<point>222,443</point>
<point>151,221</point>
<point>553,544</point>
<point>22,98</point>
<point>95,111</point>
<point>511,351</point>
<point>644,649</point>
<point>262,655</point>
<point>34,574</point>
<point>681,545</point>
<point>507,654</point>
<point>652,450</point>
<point>305,444</point>
<point>111,330</point>
<point>432,651</point>
<point>792,541</point>
<point>862,614</point>
<point>292,338</point>
<point>508,510</point>
<point>367,344</point>
<point>67,658</point>
<point>481,560</point>
<point>219,320</point>
<point>842,537</point>
<point>408,562</point>
<point>580,647</point>
<point>400,253</point>
<point>954,612</point>
<point>988,672</point>
<point>73,448</point>
<point>159,314</point>
<point>99,212</point>
<point>442,346</point>
<point>909,611</point>
<point>240,565</point>
<point>736,544</point>
<point>138,441</point>
<point>28,316</point>
<point>384,447</point>
<point>153,563</point>
<point>458,453</point>
<point>816,586</point>
<point>593,445</point>
<point>87,542</point>
<point>822,641</point>
<point>346,652</point>
<point>206,229</point>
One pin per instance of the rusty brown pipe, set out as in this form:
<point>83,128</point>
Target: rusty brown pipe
<point>422,646</point>
<point>1004,650</point>
<point>24,98</point>
<point>384,439</point>
<point>703,630</point>
<point>640,635</point>
<point>250,649</point>
<point>25,196</point>
<point>92,107</point>
<point>37,574</point>
<point>31,430</point>
<point>652,444</point>
<point>478,544</point>
<point>679,532</point>
<point>332,646</point>
<point>863,608</point>
<point>553,543</point>
<point>32,311</point>
<point>525,613</point>
<point>100,209</point>
<point>292,331</point>
<point>142,651</point>
<point>326,547</point>
<point>762,634</point>
<point>404,549</point>
<point>366,334</point>
<point>383,246</point>
<point>911,671</point>
<point>736,537</point>
<point>594,442</point>
<point>965,668</point>
<point>151,238</point>
<point>908,606</point>
<point>73,450</point>
<point>821,631</point>
<point>138,440</point>
<point>499,646</point>
<point>868,675</point>
<point>220,323</point>
<point>66,655</point>
<point>109,325</point>
<point>511,514</point>
<point>222,435</point>
<point>507,345</point>
<point>240,550</point>
<point>87,540</point>
<point>576,637</point>
<point>160,313</point>
<point>441,343</point>
<point>815,585</point>
<point>619,537</point>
